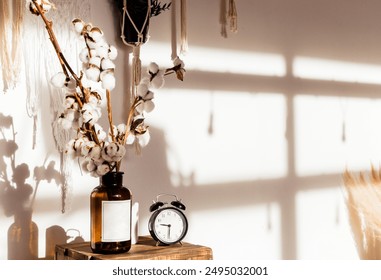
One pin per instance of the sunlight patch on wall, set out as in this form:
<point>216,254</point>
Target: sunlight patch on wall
<point>245,232</point>
<point>218,60</point>
<point>217,137</point>
<point>320,125</point>
<point>331,70</point>
<point>323,232</point>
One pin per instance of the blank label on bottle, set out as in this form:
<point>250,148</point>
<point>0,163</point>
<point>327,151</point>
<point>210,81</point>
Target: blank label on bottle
<point>116,220</point>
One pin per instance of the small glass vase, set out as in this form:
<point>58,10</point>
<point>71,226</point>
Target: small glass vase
<point>110,211</point>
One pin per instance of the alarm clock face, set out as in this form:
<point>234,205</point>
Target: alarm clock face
<point>168,225</point>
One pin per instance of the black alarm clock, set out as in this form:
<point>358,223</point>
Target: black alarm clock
<point>167,224</point>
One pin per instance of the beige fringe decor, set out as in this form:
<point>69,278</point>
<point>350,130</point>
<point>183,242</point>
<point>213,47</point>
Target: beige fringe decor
<point>363,199</point>
<point>183,28</point>
<point>228,17</point>
<point>11,20</point>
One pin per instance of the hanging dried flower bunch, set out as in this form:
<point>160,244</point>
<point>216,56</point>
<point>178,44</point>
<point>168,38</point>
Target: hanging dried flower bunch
<point>100,151</point>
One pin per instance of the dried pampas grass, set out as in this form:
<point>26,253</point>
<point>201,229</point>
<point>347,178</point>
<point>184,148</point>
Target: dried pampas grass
<point>363,199</point>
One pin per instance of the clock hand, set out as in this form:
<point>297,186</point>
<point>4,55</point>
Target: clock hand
<point>169,231</point>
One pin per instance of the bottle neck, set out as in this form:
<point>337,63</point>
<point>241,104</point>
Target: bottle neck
<point>112,179</point>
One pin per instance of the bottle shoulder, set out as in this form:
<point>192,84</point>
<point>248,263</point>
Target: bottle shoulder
<point>119,192</point>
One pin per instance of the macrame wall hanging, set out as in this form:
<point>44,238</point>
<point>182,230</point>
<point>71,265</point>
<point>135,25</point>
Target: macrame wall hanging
<point>135,21</point>
<point>40,65</point>
<point>62,17</point>
<point>11,20</point>
<point>228,17</point>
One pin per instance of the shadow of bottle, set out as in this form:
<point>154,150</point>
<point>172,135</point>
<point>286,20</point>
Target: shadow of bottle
<point>23,237</point>
<point>23,233</point>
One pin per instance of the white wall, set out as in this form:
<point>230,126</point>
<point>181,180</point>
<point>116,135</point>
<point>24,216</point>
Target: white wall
<point>265,183</point>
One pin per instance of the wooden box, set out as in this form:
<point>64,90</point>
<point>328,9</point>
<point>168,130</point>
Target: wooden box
<point>145,249</point>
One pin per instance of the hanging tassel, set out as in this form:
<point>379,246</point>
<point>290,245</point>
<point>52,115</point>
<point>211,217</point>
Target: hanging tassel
<point>10,41</point>
<point>223,18</point>
<point>173,31</point>
<point>232,16</point>
<point>184,35</point>
<point>18,16</point>
<point>136,66</point>
<point>66,168</point>
<point>32,69</point>
<point>4,53</point>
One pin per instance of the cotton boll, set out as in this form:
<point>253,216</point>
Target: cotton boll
<point>84,55</point>
<point>149,95</point>
<point>145,80</point>
<point>58,80</point>
<point>93,52</point>
<point>93,73</point>
<point>69,149</point>
<point>69,101</point>
<point>84,165</point>
<point>95,153</point>
<point>70,115</point>
<point>93,100</point>
<point>92,44</point>
<point>96,34</point>
<point>78,143</point>
<point>119,153</point>
<point>108,81</point>
<point>73,147</point>
<point>121,129</point>
<point>142,89</point>
<point>144,139</point>
<point>90,114</point>
<point>130,139</point>
<point>103,169</point>
<point>101,134</point>
<point>65,123</point>
<point>153,68</point>
<point>91,166</point>
<point>98,161</point>
<point>78,26</point>
<point>158,80</point>
<point>86,148</point>
<point>95,61</point>
<point>105,154</point>
<point>177,61</point>
<point>107,64</point>
<point>102,51</point>
<point>71,84</point>
<point>112,53</point>
<point>149,106</point>
<point>140,107</point>
<point>46,7</point>
<point>98,112</point>
<point>111,149</point>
